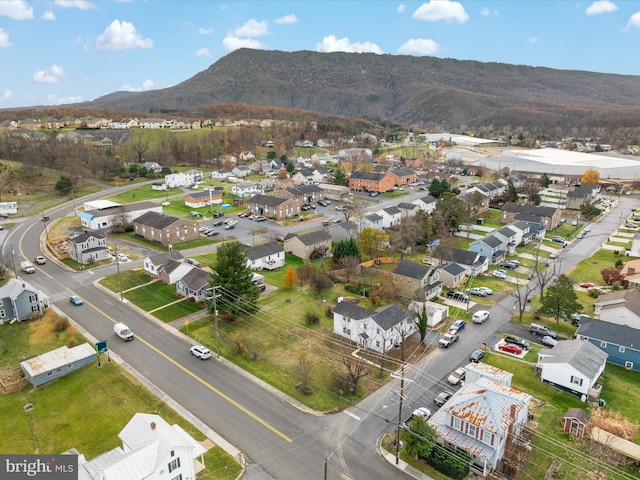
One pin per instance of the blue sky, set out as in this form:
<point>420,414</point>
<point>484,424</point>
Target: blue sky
<point>62,51</point>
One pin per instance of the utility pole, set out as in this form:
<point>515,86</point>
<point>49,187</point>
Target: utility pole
<point>118,270</point>
<point>13,259</point>
<point>400,412</point>
<point>213,297</point>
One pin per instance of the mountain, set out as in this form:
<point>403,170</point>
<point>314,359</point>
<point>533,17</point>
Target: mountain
<point>424,92</point>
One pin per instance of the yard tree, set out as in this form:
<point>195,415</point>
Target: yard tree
<point>290,278</point>
<point>421,439</point>
<point>345,248</point>
<point>591,176</point>
<point>611,275</point>
<point>421,322</point>
<point>510,195</point>
<point>450,213</point>
<point>438,187</point>
<point>560,300</point>
<point>372,243</point>
<point>232,280</point>
<point>290,166</point>
<point>339,177</point>
<point>352,209</point>
<point>350,265</point>
<point>138,145</point>
<point>64,185</point>
<point>408,236</point>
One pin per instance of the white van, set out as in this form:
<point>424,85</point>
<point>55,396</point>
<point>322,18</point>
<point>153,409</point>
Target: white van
<point>122,331</point>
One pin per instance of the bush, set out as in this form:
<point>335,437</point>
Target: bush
<point>61,324</point>
<point>448,462</point>
<point>312,318</point>
<point>328,312</point>
<point>357,289</point>
<point>72,342</point>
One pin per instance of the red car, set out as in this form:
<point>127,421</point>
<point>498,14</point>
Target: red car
<point>588,285</point>
<point>510,348</point>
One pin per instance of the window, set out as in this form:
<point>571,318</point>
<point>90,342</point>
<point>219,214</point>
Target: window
<point>377,343</point>
<point>1,302</point>
<point>346,330</point>
<point>174,464</point>
<point>58,370</point>
<point>173,453</point>
<point>2,314</point>
<point>177,477</point>
<point>603,344</point>
<point>576,380</point>
<point>472,430</point>
<point>628,365</point>
<point>621,349</point>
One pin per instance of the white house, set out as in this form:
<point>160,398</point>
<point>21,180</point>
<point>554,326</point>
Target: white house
<point>151,450</point>
<point>372,220</point>
<point>572,365</point>
<point>268,256</point>
<point>378,330</point>
<point>123,123</point>
<point>103,218</point>
<point>426,203</point>
<point>246,189</point>
<point>436,312</point>
<point>152,264</point>
<point>184,179</point>
<point>621,307</point>
<point>220,174</point>
<point>159,186</point>
<point>155,166</point>
<point>391,216</point>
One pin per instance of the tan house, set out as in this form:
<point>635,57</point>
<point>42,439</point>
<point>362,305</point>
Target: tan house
<point>165,229</point>
<point>303,246</point>
<point>273,207</point>
<point>631,274</point>
<point>550,216</point>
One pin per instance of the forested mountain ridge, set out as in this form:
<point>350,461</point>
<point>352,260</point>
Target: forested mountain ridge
<point>419,92</point>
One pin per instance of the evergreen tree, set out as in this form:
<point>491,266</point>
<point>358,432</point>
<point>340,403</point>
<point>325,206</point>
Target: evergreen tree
<point>233,281</point>
<point>346,248</point>
<point>339,177</point>
<point>64,185</point>
<point>560,300</point>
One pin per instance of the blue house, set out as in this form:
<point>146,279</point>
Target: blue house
<point>57,363</point>
<point>620,342</point>
<point>491,246</point>
<point>19,300</point>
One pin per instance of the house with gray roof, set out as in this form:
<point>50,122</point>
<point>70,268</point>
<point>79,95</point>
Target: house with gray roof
<point>277,208</point>
<point>572,365</point>
<point>309,245</point>
<point>409,277</point>
<point>268,256</point>
<point>551,216</point>
<point>537,228</point>
<point>621,307</point>
<point>452,275</point>
<point>582,195</point>
<point>480,420</point>
<point>391,217</point>
<point>378,330</point>
<point>407,210</point>
<point>491,246</point>
<point>302,193</point>
<point>474,263</point>
<point>20,300</point>
<point>426,203</point>
<point>403,175</point>
<point>477,201</point>
<point>342,231</point>
<point>510,238</point>
<point>372,220</point>
<point>194,284</point>
<point>89,247</point>
<point>523,232</point>
<point>620,342</point>
<point>165,229</point>
<point>153,263</point>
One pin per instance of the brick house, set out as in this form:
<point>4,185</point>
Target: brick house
<point>551,216</point>
<point>274,207</point>
<point>165,229</point>
<point>372,182</point>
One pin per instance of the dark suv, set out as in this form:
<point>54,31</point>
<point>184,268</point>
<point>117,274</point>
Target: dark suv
<point>461,297</point>
<point>476,356</point>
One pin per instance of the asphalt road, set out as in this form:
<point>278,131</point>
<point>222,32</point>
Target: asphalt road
<point>278,439</point>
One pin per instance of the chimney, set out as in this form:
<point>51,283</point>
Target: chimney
<point>513,411</point>
<point>153,425</point>
<point>631,271</point>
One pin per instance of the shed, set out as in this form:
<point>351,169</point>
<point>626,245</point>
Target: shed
<point>575,422</point>
<point>57,363</point>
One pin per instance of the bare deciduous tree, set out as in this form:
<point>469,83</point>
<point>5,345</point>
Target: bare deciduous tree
<point>138,144</point>
<point>120,221</point>
<point>350,265</point>
<point>357,368</point>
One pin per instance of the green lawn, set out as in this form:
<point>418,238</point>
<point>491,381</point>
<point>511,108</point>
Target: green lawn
<point>589,269</point>
<point>144,192</point>
<point>152,296</point>
<point>128,279</point>
<point>177,310</point>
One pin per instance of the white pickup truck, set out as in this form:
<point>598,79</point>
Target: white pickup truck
<point>26,267</point>
<point>122,331</point>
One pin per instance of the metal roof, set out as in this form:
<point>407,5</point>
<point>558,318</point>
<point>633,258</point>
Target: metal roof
<point>56,358</point>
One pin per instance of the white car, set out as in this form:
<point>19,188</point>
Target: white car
<point>499,274</point>
<point>480,316</point>
<point>122,257</point>
<point>166,204</point>
<point>457,376</point>
<point>486,290</point>
<point>418,412</point>
<point>203,353</point>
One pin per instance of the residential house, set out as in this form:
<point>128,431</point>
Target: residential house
<point>273,207</point>
<point>173,270</point>
<point>481,419</point>
<point>20,300</point>
<point>206,198</point>
<point>220,174</point>
<point>268,144</point>
<point>151,449</point>
<point>153,166</point>
<point>408,210</point>
<point>379,330</point>
<point>412,162</point>
<point>316,243</point>
<point>108,213</point>
<point>371,181</point>
<point>403,176</point>
<point>165,229</point>
<point>303,143</point>
<point>302,193</point>
<point>197,175</point>
<point>152,264</point>
<point>452,275</point>
<point>355,154</point>
<point>342,231</point>
<point>491,246</point>
<point>325,142</point>
<point>183,179</point>
<point>311,176</point>
<point>194,284</point>
<point>153,123</point>
<point>372,220</point>
<point>492,190</point>
<point>426,203</point>
<point>631,274</point>
<point>481,370</point>
<point>524,236</point>
<point>247,156</point>
<point>582,195</point>
<point>551,216</point>
<point>391,217</point>
<point>409,277</point>
<point>621,307</point>
<point>89,247</point>
<point>634,251</point>
<point>241,171</point>
<point>105,142</point>
<point>572,365</point>
<point>620,342</point>
<point>510,238</point>
<point>57,363</point>
<point>473,262</point>
<point>123,124</point>
<point>537,227</point>
<point>268,256</point>
<point>436,312</point>
<point>247,189</point>
<point>159,186</point>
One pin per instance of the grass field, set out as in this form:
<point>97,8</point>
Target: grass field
<point>589,269</point>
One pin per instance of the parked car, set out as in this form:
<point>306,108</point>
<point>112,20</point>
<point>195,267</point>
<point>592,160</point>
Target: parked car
<point>213,233</point>
<point>461,297</point>
<point>588,285</point>
<point>218,223</point>
<point>261,218</point>
<point>322,203</point>
<point>122,257</point>
<point>476,356</point>
<point>203,353</point>
<point>510,348</point>
<point>45,218</point>
<point>553,255</point>
<point>457,376</point>
<point>457,326</point>
<point>518,341</point>
<point>480,316</point>
<point>549,341</point>
<point>558,239</point>
<point>537,329</point>
<point>477,291</point>
<point>218,214</point>
<point>486,290</point>
<point>373,194</point>
<point>509,265</point>
<point>418,412</point>
<point>77,301</point>
<point>230,226</point>
<point>442,398</point>
<point>447,340</point>
<point>501,274</point>
<point>194,262</point>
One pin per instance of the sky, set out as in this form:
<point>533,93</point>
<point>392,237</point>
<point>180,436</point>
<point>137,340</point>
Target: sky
<point>56,52</point>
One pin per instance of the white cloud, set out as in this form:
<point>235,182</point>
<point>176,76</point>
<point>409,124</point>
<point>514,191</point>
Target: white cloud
<point>287,20</point>
<point>485,12</point>
<point>419,46</point>
<point>333,44</point>
<point>534,40</point>
<point>146,85</point>
<point>436,10</point>
<point>4,39</point>
<point>205,31</point>
<point>79,4</point>
<point>121,36</point>
<point>54,100</point>
<point>601,6</point>
<point>231,42</point>
<point>401,8</point>
<point>203,52</point>
<point>252,28</point>
<point>16,9</point>
<point>48,15</point>
<point>7,94</point>
<point>49,76</point>
<point>634,21</point>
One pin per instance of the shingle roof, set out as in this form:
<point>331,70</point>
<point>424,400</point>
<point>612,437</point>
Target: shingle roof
<point>506,231</point>
<point>411,270</point>
<point>609,332</point>
<point>206,195</point>
<point>162,258</point>
<point>620,298</point>
<point>452,269</point>
<point>83,237</point>
<point>260,251</point>
<point>348,309</point>
<point>15,287</point>
<point>529,208</point>
<point>392,210</point>
<point>491,240</point>
<point>368,175</point>
<point>373,217</point>
<point>529,218</point>
<point>312,238</point>
<point>581,191</point>
<point>407,206</point>
<point>196,279</point>
<point>585,357</point>
<point>457,255</point>
<point>266,200</point>
<point>402,171</point>
<point>156,220</point>
<point>391,315</point>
